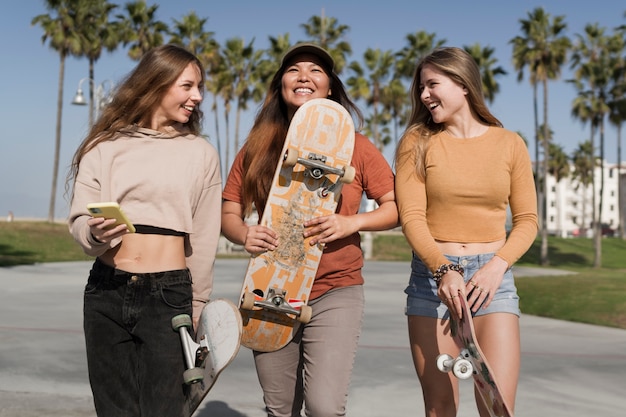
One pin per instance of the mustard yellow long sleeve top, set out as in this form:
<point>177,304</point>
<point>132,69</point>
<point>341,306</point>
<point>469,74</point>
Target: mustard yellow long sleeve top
<point>468,185</point>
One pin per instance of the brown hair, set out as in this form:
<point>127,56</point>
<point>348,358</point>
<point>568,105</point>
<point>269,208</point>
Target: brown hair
<point>266,138</point>
<point>137,97</point>
<point>457,64</point>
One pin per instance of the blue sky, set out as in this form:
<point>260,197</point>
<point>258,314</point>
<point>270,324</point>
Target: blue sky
<point>30,70</point>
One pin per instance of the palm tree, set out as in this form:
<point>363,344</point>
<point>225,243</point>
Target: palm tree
<point>368,86</point>
<point>543,49</point>
<point>396,103</point>
<point>97,33</point>
<point>395,98</point>
<point>218,76</point>
<point>140,29</point>
<point>559,168</point>
<point>190,33</point>
<point>486,62</point>
<point>584,164</point>
<point>595,59</point>
<point>59,31</point>
<point>248,85</point>
<point>328,34</point>
<point>617,116</point>
<point>273,55</point>
<point>417,45</point>
<point>241,82</point>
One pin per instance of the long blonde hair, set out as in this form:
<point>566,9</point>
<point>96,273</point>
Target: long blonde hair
<point>137,97</point>
<point>459,66</point>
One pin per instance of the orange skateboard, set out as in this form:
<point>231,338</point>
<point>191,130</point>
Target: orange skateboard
<point>307,184</point>
<point>472,362</point>
<point>216,345</point>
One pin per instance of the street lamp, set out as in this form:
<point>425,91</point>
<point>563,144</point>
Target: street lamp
<point>102,97</point>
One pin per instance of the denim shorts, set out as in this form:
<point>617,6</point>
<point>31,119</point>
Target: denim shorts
<point>422,298</point>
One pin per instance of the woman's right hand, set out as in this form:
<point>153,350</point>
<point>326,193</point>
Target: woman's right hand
<point>260,239</point>
<point>98,228</point>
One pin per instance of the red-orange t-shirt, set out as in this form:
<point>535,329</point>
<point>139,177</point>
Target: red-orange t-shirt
<point>342,259</point>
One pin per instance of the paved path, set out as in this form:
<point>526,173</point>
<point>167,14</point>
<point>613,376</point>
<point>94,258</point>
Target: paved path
<point>568,369</point>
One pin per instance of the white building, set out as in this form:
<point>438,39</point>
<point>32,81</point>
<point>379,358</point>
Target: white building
<point>569,204</point>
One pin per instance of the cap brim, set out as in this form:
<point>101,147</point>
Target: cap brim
<point>309,48</point>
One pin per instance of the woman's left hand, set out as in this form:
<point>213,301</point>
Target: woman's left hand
<point>484,283</point>
<point>326,229</point>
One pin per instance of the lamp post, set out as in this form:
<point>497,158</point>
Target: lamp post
<point>102,97</point>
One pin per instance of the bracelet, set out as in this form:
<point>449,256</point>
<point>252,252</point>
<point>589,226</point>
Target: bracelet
<point>441,271</point>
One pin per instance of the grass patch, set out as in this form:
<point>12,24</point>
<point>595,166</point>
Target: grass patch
<point>24,243</point>
<point>594,297</point>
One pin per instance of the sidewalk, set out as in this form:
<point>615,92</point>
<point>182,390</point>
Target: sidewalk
<point>568,369</point>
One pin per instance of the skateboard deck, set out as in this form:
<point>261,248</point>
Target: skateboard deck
<point>472,362</point>
<point>307,184</point>
<point>216,344</point>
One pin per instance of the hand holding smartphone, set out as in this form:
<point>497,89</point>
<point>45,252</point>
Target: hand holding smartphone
<point>110,210</point>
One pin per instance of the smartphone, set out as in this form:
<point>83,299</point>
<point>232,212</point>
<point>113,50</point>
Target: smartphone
<point>110,210</point>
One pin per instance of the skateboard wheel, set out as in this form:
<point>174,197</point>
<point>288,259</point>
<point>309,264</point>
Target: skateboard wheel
<point>462,369</point>
<point>348,174</point>
<point>193,375</point>
<point>247,301</point>
<point>306,312</point>
<point>444,362</point>
<point>181,320</point>
<point>291,157</point>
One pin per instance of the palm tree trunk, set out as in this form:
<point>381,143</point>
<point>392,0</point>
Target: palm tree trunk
<point>57,141</point>
<point>217,137</point>
<point>92,102</point>
<point>594,209</point>
<point>544,260</point>
<point>620,200</point>
<point>598,236</point>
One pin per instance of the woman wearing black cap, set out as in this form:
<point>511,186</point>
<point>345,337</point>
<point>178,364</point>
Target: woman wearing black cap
<point>314,369</point>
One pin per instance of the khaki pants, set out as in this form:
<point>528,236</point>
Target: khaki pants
<point>314,369</point>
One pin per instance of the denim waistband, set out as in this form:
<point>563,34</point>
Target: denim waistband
<point>121,275</point>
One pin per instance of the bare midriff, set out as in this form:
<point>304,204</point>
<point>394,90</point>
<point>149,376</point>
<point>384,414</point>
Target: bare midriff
<point>141,253</point>
<point>467,249</point>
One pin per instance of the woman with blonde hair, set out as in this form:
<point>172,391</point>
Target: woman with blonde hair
<point>458,172</point>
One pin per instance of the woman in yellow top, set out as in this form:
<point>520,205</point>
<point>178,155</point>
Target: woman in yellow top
<point>457,172</point>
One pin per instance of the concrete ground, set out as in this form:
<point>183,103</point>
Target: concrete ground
<point>568,369</point>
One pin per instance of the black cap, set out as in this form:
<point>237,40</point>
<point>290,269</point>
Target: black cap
<point>309,48</point>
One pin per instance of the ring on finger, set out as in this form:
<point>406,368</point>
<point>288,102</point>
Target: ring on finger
<point>473,283</point>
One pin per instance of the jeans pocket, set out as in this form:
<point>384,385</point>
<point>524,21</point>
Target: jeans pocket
<point>93,283</point>
<point>177,295</point>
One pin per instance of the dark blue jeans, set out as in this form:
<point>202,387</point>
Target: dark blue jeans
<point>134,357</point>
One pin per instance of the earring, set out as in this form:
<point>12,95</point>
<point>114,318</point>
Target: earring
<point>330,93</point>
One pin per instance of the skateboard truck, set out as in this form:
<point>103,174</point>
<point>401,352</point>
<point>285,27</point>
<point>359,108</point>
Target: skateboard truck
<point>317,166</point>
<point>460,366</point>
<point>275,301</point>
<point>196,354</point>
